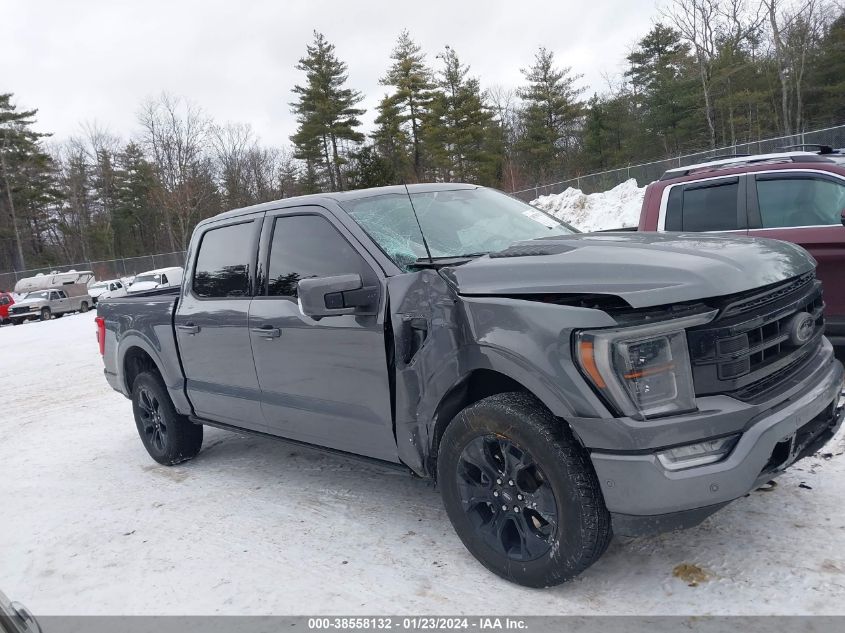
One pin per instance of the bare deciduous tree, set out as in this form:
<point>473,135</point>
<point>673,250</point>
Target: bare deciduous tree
<point>176,137</point>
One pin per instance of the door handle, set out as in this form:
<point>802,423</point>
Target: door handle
<point>189,328</point>
<point>267,331</point>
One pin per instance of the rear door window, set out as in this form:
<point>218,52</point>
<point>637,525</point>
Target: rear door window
<point>799,200</point>
<point>710,207</point>
<point>222,268</point>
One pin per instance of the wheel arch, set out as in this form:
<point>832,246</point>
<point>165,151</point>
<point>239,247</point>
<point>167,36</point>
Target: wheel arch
<point>135,361</point>
<point>476,385</point>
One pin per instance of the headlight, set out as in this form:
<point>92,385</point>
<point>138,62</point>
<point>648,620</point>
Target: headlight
<point>644,371</point>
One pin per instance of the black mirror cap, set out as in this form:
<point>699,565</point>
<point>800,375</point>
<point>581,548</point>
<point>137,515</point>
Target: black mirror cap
<point>842,217</point>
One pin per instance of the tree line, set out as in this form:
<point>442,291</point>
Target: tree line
<point>708,73</point>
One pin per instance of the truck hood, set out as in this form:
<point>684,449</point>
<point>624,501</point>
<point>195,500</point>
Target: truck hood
<point>644,269</point>
<point>142,286</point>
<point>30,302</point>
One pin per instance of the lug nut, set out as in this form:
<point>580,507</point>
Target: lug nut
<point>504,507</point>
<point>495,493</point>
<point>516,508</point>
<point>499,481</point>
<point>510,482</point>
<point>519,497</point>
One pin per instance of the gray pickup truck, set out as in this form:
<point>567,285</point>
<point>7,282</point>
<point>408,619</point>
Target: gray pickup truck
<point>558,387</point>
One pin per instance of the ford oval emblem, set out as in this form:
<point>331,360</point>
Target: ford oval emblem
<point>801,328</point>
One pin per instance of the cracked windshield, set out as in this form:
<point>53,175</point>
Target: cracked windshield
<point>456,223</point>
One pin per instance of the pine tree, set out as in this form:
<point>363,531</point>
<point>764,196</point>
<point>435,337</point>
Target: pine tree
<point>26,179</point>
<point>137,224</point>
<point>825,101</point>
<point>325,111</point>
<point>389,139</point>
<point>413,83</point>
<point>550,116</point>
<point>460,133</point>
<point>662,72</point>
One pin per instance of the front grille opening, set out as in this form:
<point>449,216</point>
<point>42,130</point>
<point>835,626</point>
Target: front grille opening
<point>750,348</point>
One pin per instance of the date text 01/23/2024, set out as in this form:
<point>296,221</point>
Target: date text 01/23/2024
<point>416,623</point>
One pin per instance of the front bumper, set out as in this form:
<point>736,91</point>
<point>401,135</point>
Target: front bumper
<point>644,497</point>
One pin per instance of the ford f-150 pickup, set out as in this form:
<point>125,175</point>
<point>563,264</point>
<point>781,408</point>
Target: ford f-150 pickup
<point>558,387</point>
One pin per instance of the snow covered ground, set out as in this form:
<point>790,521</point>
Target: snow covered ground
<point>91,525</point>
<point>613,209</point>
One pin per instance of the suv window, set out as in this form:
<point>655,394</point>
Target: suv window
<point>799,201</point>
<point>306,246</point>
<point>703,207</point>
<point>222,268</point>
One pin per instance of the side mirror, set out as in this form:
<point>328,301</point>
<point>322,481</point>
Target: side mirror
<point>842,217</point>
<point>334,296</point>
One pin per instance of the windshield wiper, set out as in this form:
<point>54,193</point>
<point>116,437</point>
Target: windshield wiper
<point>445,260</point>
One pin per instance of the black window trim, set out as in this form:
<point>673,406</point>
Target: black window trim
<point>253,245</point>
<point>268,228</point>
<point>755,219</point>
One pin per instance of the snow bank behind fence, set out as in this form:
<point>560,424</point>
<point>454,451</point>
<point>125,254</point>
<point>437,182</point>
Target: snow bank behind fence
<point>614,209</point>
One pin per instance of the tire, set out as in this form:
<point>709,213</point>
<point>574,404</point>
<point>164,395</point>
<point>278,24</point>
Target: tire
<point>46,314</point>
<point>17,321</point>
<point>169,437</point>
<point>547,526</point>
<point>83,307</point>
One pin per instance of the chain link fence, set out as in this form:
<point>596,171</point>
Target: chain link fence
<point>645,173</point>
<point>107,269</point>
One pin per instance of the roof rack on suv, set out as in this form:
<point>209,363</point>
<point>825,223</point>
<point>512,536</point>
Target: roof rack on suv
<point>819,149</point>
<point>739,161</point>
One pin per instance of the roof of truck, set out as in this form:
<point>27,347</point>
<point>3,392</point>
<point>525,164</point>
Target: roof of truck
<point>340,196</point>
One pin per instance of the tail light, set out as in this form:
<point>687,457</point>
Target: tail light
<point>101,334</point>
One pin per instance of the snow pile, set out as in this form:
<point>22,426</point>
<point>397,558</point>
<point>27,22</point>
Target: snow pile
<point>614,209</point>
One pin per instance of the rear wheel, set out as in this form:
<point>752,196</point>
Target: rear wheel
<point>169,437</point>
<point>46,314</point>
<point>521,492</point>
<point>83,307</point>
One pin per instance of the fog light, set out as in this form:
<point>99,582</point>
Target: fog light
<point>699,454</point>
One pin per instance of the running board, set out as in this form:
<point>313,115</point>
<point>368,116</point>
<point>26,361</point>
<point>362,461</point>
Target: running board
<point>325,449</point>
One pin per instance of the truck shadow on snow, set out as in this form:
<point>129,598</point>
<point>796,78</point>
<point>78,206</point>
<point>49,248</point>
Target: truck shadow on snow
<point>329,486</point>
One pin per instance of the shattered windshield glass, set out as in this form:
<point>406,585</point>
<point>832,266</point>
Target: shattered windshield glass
<point>455,223</point>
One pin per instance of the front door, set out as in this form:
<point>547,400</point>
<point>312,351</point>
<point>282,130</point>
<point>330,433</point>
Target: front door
<point>322,381</point>
<point>212,324</point>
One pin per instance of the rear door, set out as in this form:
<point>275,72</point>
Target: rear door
<point>805,207</point>
<point>712,204</point>
<point>212,323</point>
<point>322,381</point>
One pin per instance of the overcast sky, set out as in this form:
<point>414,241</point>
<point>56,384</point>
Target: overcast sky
<point>96,60</point>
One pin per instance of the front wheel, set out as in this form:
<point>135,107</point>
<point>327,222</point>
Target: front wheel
<point>169,437</point>
<point>83,307</point>
<point>45,314</point>
<point>521,492</point>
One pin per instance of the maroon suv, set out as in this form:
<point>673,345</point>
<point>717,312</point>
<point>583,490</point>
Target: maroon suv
<point>795,196</point>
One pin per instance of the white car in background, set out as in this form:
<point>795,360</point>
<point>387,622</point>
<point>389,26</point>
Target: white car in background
<point>109,289</point>
<point>155,279</point>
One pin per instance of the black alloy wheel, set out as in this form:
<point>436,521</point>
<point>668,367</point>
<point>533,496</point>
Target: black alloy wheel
<point>507,497</point>
<point>153,423</point>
